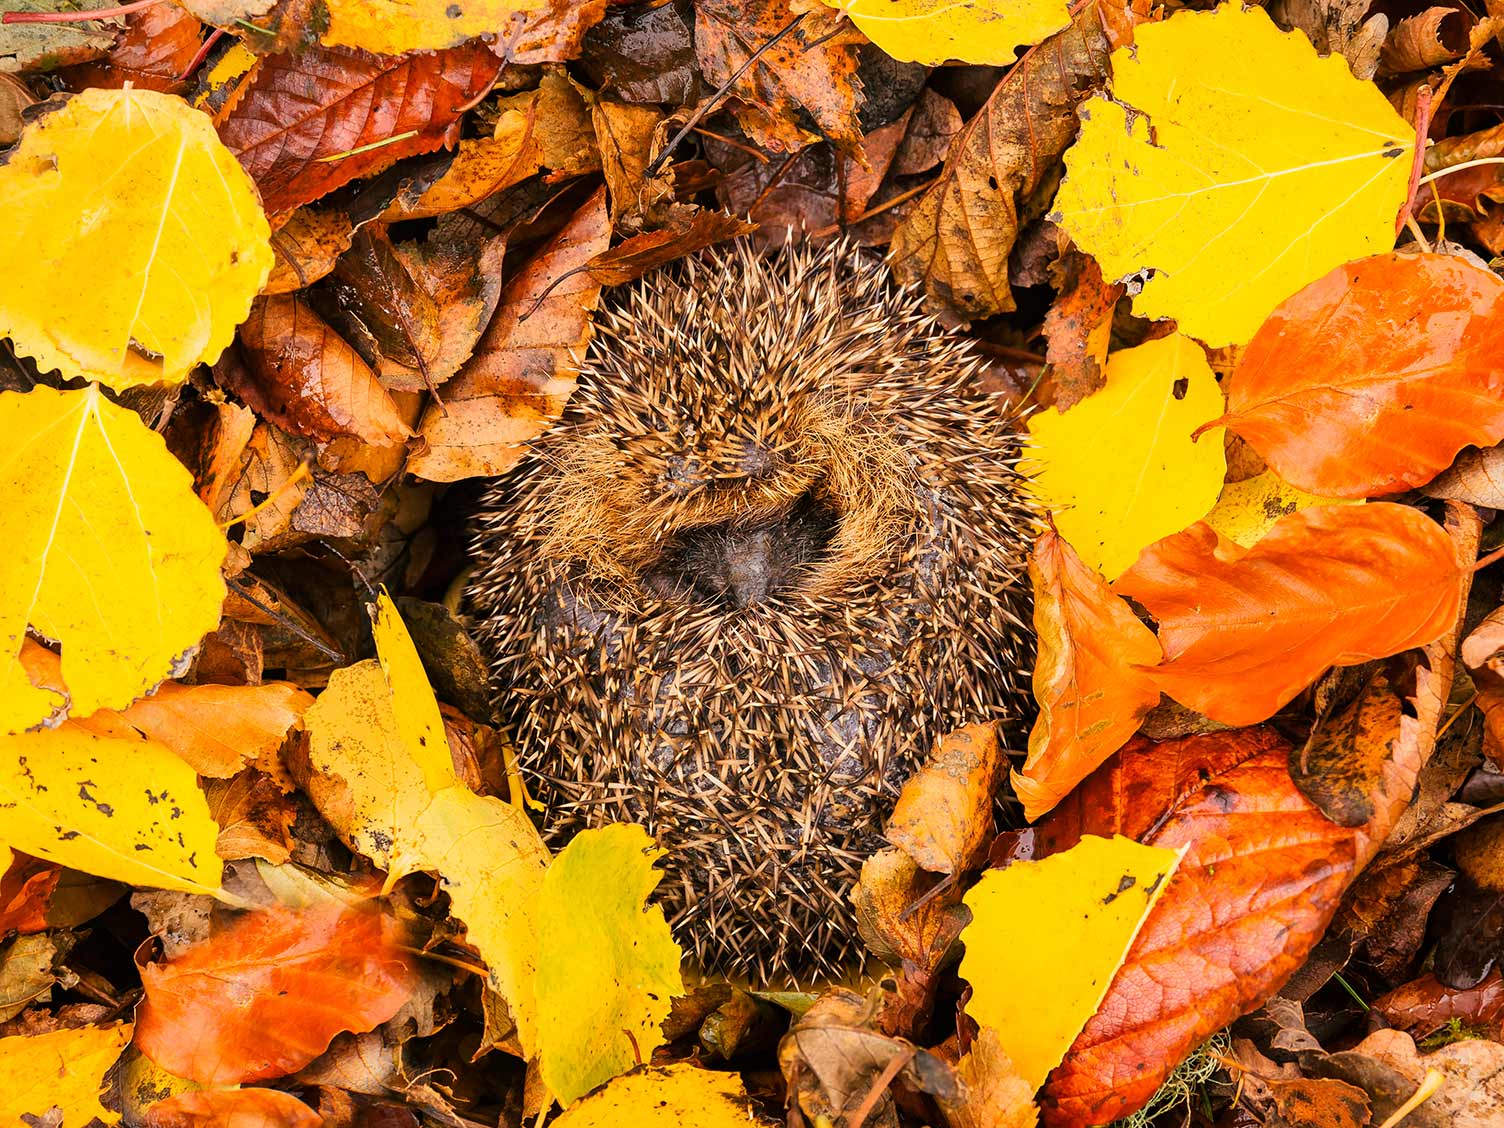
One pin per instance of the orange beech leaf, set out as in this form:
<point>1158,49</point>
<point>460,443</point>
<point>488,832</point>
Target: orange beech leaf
<point>232,1108</point>
<point>219,729</point>
<point>265,996</point>
<point>1091,695</point>
<point>26,888</point>
<point>297,124</point>
<point>1245,631</point>
<point>1262,876</point>
<point>1371,379</point>
<point>156,48</point>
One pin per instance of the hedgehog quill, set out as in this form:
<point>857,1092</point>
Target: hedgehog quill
<point>773,551</point>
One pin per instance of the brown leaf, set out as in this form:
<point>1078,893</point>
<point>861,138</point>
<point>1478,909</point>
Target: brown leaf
<point>307,246</point>
<point>957,237</point>
<point>296,978</point>
<point>232,1108</point>
<point>1254,892</point>
<point>26,890</point>
<point>522,372</point>
<point>482,166</point>
<point>301,375</point>
<point>1078,327</point>
<point>1338,767</point>
<point>218,729</point>
<point>1472,1071</point>
<point>1245,631</point>
<point>1425,40</point>
<point>255,817</point>
<point>943,816</point>
<point>551,33</point>
<point>1337,27</point>
<point>624,134</point>
<point>685,234</point>
<point>1088,677</point>
<point>155,50</point>
<point>1426,1005</point>
<point>812,68</point>
<point>296,124</point>
<point>994,1095</point>
<point>1476,477</point>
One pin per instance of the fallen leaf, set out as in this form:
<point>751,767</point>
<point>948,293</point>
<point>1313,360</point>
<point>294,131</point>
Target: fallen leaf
<point>302,376</point>
<point>1476,477</point>
<point>30,967</point>
<point>1089,679</point>
<point>1423,41</point>
<point>115,806</point>
<point>301,117</point>
<point>63,1070</point>
<point>634,257</point>
<point>1338,27</point>
<point>100,521</point>
<point>995,1095</point>
<point>612,965</point>
<point>218,729</point>
<point>1212,177</point>
<point>1120,469</point>
<point>131,190</point>
<point>1340,765</point>
<point>307,246</point>
<point>1372,378</point>
<point>232,1108</point>
<point>26,888</point>
<point>29,46</point>
<point>255,817</point>
<point>957,237</point>
<point>523,371</point>
<point>296,979</point>
<point>1244,631</point>
<point>665,1096</point>
<point>943,816</point>
<point>1261,878</point>
<point>985,32</point>
<point>812,68</point>
<point>1036,987</point>
<point>553,33</point>
<point>397,27</point>
<point>154,52</point>
<point>1472,1072</point>
<point>481,167</point>
<point>1248,509</point>
<point>1426,1004</point>
<point>1078,329</point>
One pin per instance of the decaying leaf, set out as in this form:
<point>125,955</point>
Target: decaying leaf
<point>665,1096</point>
<point>942,818</point>
<point>396,27</point>
<point>131,190</point>
<point>64,1070</point>
<point>232,1108</point>
<point>1120,469</point>
<point>108,552</point>
<point>1201,168</point>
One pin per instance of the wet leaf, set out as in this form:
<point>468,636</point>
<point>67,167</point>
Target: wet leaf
<point>665,1096</point>
<point>397,27</point>
<point>1234,194</point>
<point>131,190</point>
<point>232,1108</point>
<point>64,1070</point>
<point>100,521</point>
<point>1371,379</point>
<point>157,47</point>
<point>1245,631</point>
<point>943,816</point>
<point>1120,469</point>
<point>297,979</point>
<point>939,31</point>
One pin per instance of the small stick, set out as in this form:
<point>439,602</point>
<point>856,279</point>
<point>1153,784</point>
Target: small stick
<point>84,16</point>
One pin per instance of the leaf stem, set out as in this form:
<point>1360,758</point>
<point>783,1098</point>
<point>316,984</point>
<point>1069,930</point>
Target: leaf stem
<point>84,16</point>
<point>1479,162</point>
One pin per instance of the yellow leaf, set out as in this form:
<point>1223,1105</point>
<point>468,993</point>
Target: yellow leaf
<point>414,708</point>
<point>665,1096</point>
<point>1119,469</point>
<point>120,807</point>
<point>986,32</point>
<point>131,240</point>
<point>1248,509</point>
<point>395,27</point>
<point>1047,937</point>
<point>107,549</point>
<point>492,862</point>
<point>612,965</point>
<point>1236,164</point>
<point>63,1070</point>
<point>372,788</point>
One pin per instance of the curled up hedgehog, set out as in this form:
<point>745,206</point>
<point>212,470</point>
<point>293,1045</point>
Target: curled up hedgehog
<point>773,551</point>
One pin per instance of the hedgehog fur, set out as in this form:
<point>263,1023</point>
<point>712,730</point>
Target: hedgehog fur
<point>772,552</point>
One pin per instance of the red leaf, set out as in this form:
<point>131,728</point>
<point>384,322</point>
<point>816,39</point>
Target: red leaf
<point>232,1108</point>
<point>1091,697</point>
<point>1244,632</point>
<point>264,997</point>
<point>26,890</point>
<point>158,45</point>
<point>1263,875</point>
<point>301,108</point>
<point>1371,379</point>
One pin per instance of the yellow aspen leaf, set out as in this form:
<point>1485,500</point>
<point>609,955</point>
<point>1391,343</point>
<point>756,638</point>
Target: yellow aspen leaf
<point>666,1096</point>
<point>107,550</point>
<point>1047,937</point>
<point>492,863</point>
<point>64,1070</point>
<point>1236,164</point>
<point>1248,509</point>
<point>414,708</point>
<point>1120,469</point>
<point>986,32</point>
<point>367,782</point>
<point>120,807</point>
<point>612,966</point>
<point>133,191</point>
<point>395,27</point>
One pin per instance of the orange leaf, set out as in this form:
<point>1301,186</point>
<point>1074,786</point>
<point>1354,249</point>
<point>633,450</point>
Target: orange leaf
<point>1091,695</point>
<point>218,729</point>
<point>265,996</point>
<point>1244,632</point>
<point>232,1108</point>
<point>1263,875</point>
<point>1371,379</point>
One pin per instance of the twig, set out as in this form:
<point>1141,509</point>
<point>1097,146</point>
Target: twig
<point>85,16</point>
<point>880,1086</point>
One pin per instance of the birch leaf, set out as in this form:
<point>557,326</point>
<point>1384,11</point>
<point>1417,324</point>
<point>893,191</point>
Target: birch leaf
<point>986,32</point>
<point>63,1070</point>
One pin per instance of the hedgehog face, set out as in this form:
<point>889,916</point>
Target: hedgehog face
<point>770,555</point>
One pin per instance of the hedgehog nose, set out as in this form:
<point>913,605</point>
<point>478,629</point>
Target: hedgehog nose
<point>751,567</point>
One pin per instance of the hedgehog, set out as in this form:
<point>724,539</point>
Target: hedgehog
<point>771,553</point>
